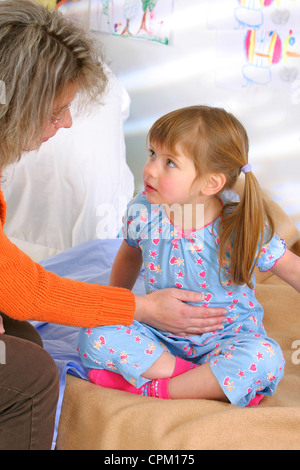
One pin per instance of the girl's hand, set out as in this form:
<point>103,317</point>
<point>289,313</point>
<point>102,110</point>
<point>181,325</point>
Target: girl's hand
<point>1,326</point>
<point>167,310</point>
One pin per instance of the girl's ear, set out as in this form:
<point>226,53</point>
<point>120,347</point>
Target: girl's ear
<point>214,184</point>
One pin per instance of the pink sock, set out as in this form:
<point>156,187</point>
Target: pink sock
<point>256,400</point>
<point>182,366</point>
<point>154,388</point>
<point>157,388</point>
<point>109,379</point>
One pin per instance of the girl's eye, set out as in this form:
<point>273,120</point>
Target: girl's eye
<point>170,163</point>
<point>152,153</point>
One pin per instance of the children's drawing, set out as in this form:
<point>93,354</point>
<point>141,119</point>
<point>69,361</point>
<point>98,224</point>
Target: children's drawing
<point>50,4</point>
<point>270,40</point>
<point>247,14</point>
<point>53,4</point>
<point>142,19</point>
<point>264,50</point>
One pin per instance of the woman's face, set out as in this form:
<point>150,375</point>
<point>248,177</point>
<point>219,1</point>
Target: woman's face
<point>60,116</point>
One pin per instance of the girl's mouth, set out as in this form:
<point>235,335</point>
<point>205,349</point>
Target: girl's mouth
<point>148,188</point>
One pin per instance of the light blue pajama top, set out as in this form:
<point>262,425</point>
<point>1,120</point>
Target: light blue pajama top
<point>189,260</point>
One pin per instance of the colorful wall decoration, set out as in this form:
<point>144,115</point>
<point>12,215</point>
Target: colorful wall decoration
<point>267,38</point>
<point>140,19</point>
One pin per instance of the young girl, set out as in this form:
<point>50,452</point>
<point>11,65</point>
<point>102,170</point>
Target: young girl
<point>190,235</point>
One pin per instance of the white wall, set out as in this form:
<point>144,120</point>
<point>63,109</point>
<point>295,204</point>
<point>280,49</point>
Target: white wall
<point>203,64</point>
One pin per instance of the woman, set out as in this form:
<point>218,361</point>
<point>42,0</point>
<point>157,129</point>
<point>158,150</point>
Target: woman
<point>44,62</point>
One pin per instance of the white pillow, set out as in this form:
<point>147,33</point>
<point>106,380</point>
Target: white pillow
<point>62,194</point>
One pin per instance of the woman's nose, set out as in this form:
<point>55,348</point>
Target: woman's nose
<point>67,120</point>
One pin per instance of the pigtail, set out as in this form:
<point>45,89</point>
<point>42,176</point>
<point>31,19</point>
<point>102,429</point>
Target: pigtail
<point>242,233</point>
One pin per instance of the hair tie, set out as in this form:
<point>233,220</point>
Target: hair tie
<point>247,168</point>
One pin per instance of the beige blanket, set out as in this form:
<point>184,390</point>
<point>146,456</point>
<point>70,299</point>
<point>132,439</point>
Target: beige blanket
<point>97,418</point>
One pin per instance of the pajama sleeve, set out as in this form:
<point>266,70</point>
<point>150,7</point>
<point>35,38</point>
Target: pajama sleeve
<point>135,220</point>
<point>270,253</point>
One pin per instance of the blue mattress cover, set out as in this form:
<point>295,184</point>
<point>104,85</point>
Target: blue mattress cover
<point>89,262</point>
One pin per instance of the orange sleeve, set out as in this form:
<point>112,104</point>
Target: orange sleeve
<point>29,292</point>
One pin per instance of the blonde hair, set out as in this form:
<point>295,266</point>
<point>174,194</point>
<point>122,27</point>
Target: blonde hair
<point>218,143</point>
<point>41,52</point>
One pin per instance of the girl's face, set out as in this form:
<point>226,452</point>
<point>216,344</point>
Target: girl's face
<point>171,179</point>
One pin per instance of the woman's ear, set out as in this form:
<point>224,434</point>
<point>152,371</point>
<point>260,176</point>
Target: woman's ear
<point>215,182</point>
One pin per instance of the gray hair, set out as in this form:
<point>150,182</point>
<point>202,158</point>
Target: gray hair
<point>41,52</point>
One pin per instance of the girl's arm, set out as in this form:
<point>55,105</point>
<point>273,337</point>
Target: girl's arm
<point>288,269</point>
<point>126,266</point>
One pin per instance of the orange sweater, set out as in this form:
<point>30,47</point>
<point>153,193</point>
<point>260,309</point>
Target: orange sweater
<point>29,292</point>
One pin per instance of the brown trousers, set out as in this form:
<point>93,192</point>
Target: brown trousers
<point>28,389</point>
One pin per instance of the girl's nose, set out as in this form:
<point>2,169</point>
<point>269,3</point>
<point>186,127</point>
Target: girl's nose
<point>151,167</point>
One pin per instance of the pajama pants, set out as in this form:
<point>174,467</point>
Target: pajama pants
<point>244,364</point>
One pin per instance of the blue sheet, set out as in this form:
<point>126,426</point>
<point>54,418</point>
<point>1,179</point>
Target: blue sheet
<point>89,262</point>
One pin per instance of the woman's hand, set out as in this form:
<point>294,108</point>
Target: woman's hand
<point>1,326</point>
<point>167,310</point>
